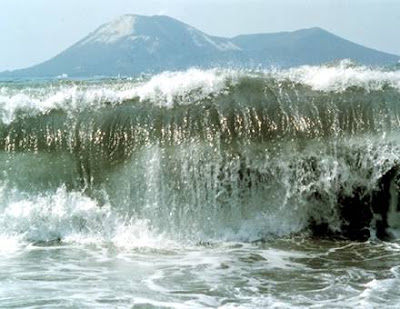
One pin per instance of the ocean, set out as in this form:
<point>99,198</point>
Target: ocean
<point>202,189</point>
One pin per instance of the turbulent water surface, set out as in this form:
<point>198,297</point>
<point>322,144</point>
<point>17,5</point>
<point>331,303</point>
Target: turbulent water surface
<point>202,189</point>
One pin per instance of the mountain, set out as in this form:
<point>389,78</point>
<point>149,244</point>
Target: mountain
<point>308,46</point>
<point>134,44</point>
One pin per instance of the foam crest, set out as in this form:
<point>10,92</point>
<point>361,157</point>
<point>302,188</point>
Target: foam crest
<point>9,244</point>
<point>164,89</point>
<point>69,97</point>
<point>342,76</point>
<point>185,87</point>
<point>69,217</point>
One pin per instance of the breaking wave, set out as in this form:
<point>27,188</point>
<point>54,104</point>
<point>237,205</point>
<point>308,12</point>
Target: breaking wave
<point>203,155</point>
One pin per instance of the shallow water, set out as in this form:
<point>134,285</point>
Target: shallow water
<point>281,273</point>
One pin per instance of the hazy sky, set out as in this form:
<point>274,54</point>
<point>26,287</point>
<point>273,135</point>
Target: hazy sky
<point>32,31</point>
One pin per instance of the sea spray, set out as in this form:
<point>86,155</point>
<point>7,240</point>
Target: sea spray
<point>209,154</point>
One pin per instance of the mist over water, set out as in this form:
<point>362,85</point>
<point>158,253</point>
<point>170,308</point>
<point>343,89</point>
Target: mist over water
<point>200,189</point>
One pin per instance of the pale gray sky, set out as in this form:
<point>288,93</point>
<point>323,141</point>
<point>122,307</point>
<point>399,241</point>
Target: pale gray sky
<point>32,31</point>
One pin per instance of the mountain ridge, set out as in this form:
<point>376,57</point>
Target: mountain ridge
<point>133,44</point>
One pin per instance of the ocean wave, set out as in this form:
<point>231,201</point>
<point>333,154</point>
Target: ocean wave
<point>187,87</point>
<point>197,154</point>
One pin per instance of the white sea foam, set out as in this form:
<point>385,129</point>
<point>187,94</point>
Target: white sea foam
<point>195,84</point>
<point>187,87</point>
<point>164,89</point>
<point>10,244</point>
<point>72,217</point>
<point>383,292</point>
<point>69,217</point>
<point>342,76</point>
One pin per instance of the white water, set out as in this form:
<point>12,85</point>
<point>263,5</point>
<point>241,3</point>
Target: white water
<point>342,76</point>
<point>170,88</point>
<point>101,262</point>
<point>69,217</point>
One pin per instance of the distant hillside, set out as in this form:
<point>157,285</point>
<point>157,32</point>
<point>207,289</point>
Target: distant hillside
<point>134,44</point>
<point>308,46</point>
